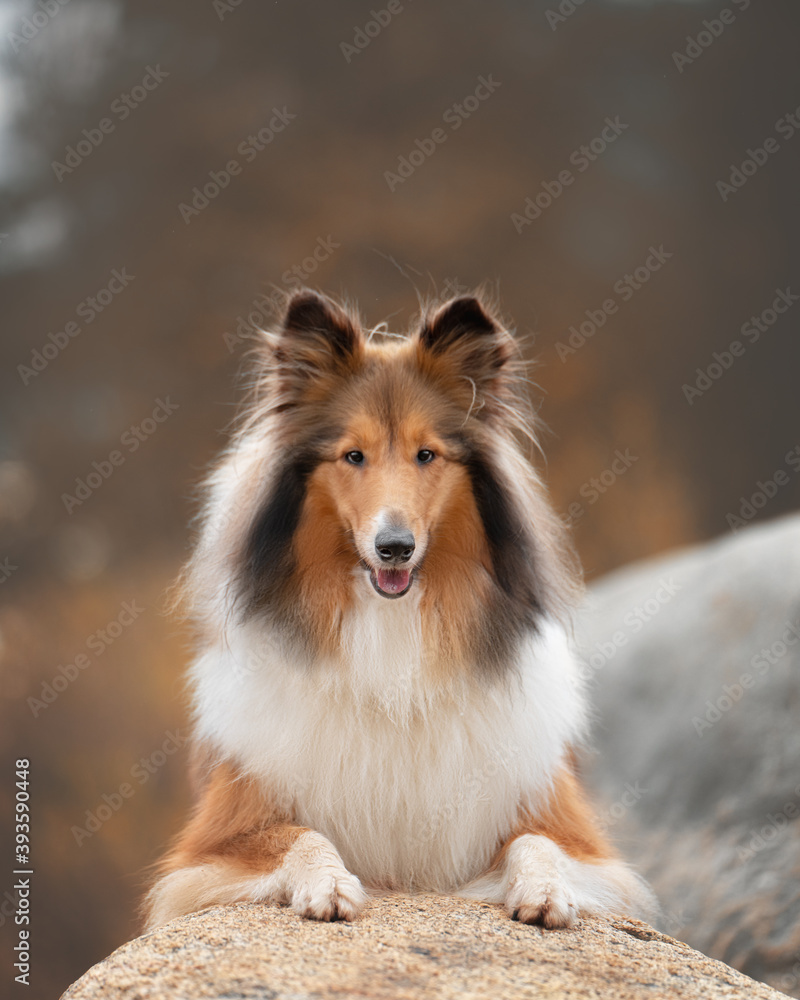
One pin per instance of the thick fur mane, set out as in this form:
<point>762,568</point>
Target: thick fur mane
<point>263,557</point>
<point>385,696</point>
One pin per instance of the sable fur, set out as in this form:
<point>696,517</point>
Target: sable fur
<point>419,743</point>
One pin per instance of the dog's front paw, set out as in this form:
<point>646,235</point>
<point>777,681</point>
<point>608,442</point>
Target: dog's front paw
<point>541,901</point>
<point>539,891</point>
<point>325,895</point>
<point>318,884</point>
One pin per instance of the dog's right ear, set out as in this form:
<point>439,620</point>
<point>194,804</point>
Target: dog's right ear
<point>317,343</point>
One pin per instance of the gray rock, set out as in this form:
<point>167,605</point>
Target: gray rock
<point>695,665</point>
<point>405,948</point>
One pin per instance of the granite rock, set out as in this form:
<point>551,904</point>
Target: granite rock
<point>405,948</point>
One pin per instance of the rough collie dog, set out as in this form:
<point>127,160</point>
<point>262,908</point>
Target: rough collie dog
<point>385,698</point>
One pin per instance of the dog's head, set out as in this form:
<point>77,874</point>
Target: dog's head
<point>394,470</point>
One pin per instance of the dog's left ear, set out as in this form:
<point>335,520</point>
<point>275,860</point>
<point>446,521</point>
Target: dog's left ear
<point>462,340</point>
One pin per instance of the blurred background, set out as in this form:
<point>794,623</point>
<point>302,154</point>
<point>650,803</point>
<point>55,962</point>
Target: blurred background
<point>623,175</point>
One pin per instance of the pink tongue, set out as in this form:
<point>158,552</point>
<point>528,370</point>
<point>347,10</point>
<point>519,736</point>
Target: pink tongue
<point>393,581</point>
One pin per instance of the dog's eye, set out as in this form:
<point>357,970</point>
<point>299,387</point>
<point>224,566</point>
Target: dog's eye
<point>424,456</point>
<point>354,457</point>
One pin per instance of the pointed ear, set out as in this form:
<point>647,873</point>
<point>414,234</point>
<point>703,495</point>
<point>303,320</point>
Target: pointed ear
<point>318,342</point>
<point>463,341</point>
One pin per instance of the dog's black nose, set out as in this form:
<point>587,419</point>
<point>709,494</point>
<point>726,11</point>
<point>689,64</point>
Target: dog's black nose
<point>394,545</point>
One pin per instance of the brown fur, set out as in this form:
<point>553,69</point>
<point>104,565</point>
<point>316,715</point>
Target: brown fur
<point>456,383</point>
<point>452,388</point>
<point>236,825</point>
<point>233,821</point>
<point>567,819</point>
<point>494,561</point>
<point>434,502</point>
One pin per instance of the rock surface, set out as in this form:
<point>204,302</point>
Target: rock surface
<point>695,667</point>
<point>696,678</point>
<point>406,948</point>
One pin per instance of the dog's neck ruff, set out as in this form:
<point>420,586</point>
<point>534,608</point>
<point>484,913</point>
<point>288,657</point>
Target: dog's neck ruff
<point>414,777</point>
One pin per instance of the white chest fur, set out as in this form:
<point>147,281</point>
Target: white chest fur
<point>414,783</point>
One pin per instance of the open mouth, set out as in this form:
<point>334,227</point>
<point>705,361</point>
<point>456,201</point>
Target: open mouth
<point>391,583</point>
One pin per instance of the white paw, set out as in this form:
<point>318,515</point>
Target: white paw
<point>548,903</point>
<point>328,896</point>
<point>540,883</point>
<point>317,883</point>
<point>539,891</point>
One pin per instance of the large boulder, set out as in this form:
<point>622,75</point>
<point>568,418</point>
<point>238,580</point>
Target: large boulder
<point>694,660</point>
<point>406,948</point>
<point>695,665</point>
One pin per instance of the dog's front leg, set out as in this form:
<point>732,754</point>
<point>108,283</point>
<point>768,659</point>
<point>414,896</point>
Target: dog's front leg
<point>238,848</point>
